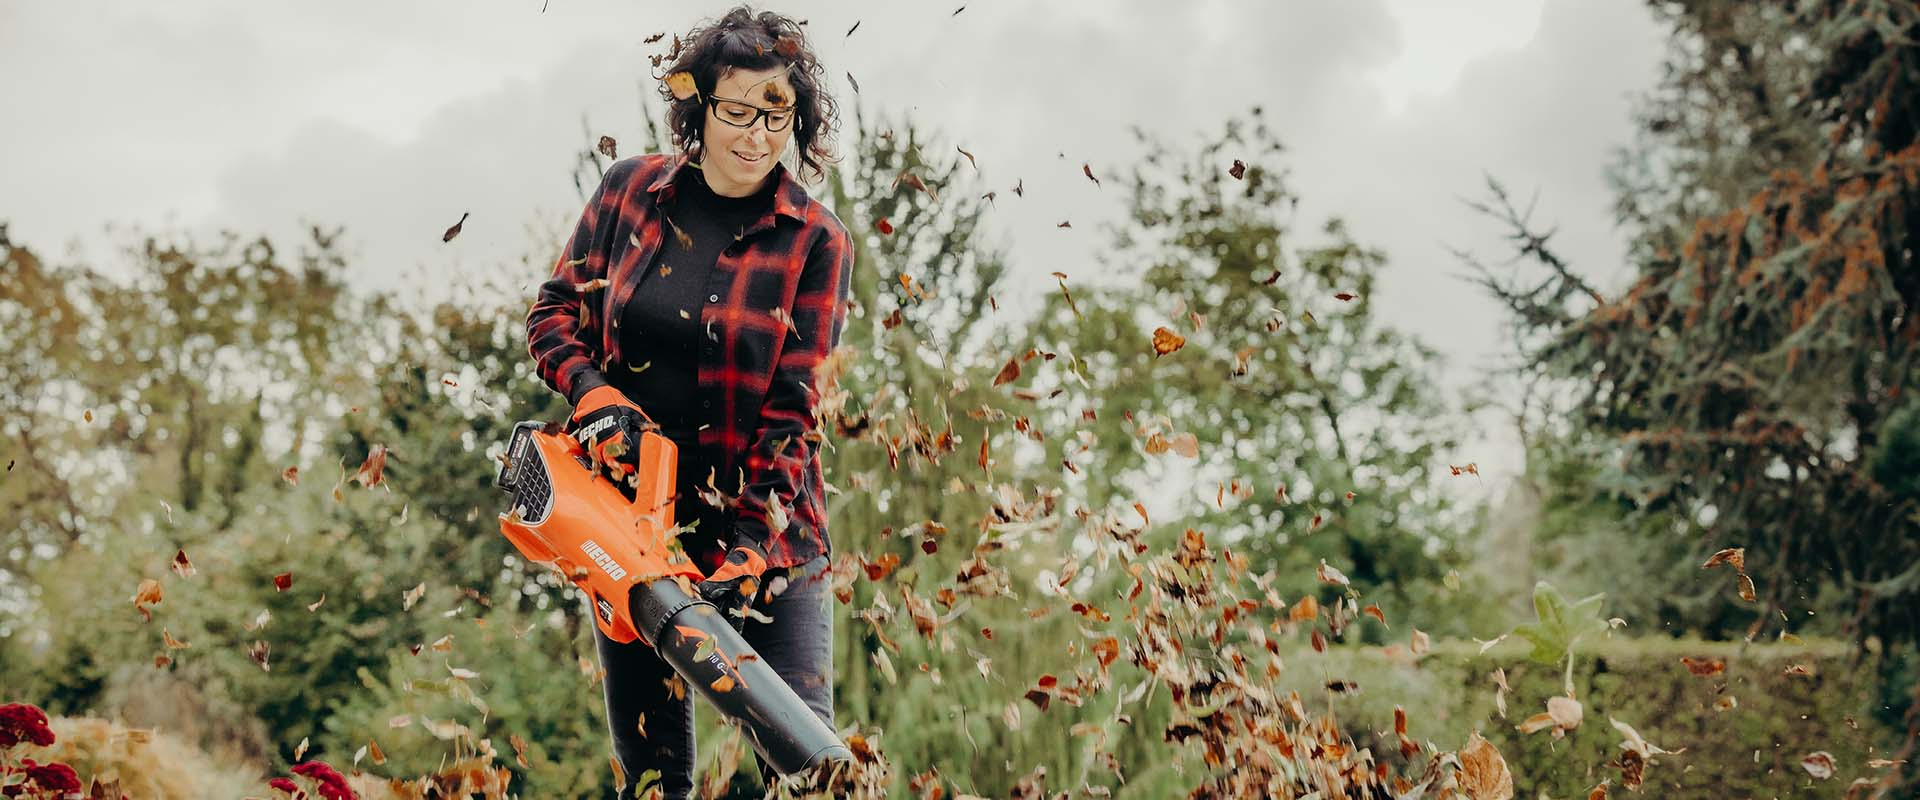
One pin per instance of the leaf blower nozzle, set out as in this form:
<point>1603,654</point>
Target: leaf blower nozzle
<point>565,515</point>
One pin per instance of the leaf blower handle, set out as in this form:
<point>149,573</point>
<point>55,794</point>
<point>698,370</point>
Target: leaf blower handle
<point>609,425</point>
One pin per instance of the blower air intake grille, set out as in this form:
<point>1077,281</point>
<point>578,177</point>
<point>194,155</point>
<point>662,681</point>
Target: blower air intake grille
<point>523,474</point>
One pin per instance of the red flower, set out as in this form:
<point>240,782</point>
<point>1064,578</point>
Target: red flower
<point>21,722</point>
<point>54,777</point>
<point>286,785</point>
<point>332,785</point>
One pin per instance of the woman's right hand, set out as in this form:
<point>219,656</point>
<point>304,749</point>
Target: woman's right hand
<point>609,425</point>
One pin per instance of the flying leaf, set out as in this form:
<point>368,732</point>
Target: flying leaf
<point>412,596</point>
<point>455,230</point>
<point>1088,170</point>
<point>370,473</point>
<point>1483,773</point>
<point>1330,575</point>
<point>181,566</point>
<point>283,581</point>
<point>1166,341</point>
<point>148,593</point>
<point>1735,557</point>
<point>1705,667</point>
<point>1008,373</point>
<point>608,147</point>
<point>682,86</point>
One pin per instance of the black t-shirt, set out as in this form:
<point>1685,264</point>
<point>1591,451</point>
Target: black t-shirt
<point>660,326</point>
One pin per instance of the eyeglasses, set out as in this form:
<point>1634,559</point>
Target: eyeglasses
<point>743,115</point>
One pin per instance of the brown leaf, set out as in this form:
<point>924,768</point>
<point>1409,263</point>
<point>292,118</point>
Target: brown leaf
<point>258,652</point>
<point>519,749</point>
<point>166,638</point>
<point>455,230</point>
<point>1705,667</point>
<point>963,152</point>
<point>880,568</point>
<point>1238,170</point>
<point>1344,296</point>
<point>1819,764</point>
<point>374,752</point>
<point>1746,588</point>
<point>291,475</point>
<point>608,147</point>
<point>1088,170</point>
<point>1483,773</point>
<point>914,181</point>
<point>283,581</point>
<point>1008,373</point>
<point>370,473</point>
<point>181,566</point>
<point>1735,557</point>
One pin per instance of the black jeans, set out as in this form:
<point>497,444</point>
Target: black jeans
<point>797,644</point>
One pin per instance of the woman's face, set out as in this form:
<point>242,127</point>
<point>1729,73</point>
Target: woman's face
<point>736,161</point>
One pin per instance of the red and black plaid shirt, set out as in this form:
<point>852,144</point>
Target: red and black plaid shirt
<point>756,373</point>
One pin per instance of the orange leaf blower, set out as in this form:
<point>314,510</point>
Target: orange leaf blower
<point>566,515</point>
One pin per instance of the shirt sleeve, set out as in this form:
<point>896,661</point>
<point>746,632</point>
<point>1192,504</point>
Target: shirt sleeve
<point>785,443</point>
<point>561,337</point>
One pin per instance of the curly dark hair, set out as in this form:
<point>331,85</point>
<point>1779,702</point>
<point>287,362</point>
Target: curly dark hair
<point>744,39</point>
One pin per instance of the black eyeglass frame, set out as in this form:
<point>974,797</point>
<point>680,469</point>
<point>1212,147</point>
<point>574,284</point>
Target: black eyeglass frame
<point>713,102</point>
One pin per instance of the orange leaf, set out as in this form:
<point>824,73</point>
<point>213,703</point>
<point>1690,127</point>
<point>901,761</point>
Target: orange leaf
<point>1166,341</point>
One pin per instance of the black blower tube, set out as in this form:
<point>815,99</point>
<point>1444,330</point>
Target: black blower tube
<point>781,728</point>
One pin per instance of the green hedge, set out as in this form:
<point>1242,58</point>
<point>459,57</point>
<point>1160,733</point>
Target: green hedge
<point>1751,750</point>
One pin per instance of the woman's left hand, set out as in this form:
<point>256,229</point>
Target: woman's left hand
<point>732,587</point>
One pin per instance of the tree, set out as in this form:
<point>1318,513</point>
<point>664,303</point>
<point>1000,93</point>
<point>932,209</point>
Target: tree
<point>1752,382</point>
<point>1311,431</point>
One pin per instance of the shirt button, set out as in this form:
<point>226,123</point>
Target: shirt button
<point>713,298</point>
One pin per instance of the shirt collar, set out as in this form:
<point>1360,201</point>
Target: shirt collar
<point>788,196</point>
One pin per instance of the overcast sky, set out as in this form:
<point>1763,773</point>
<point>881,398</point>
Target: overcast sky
<point>391,119</point>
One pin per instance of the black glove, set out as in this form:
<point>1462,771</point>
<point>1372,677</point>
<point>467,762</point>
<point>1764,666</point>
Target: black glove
<point>734,585</point>
<point>609,425</point>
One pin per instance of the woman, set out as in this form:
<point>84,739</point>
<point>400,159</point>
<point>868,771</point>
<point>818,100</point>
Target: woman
<point>704,287</point>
